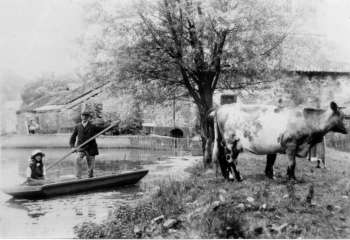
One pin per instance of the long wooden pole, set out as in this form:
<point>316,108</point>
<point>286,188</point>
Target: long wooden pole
<point>84,143</point>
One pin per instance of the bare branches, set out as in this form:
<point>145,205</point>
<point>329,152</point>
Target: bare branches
<point>189,87</point>
<point>200,41</point>
<point>156,38</point>
<point>276,44</point>
<point>173,30</point>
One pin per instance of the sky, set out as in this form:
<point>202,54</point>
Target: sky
<point>334,21</point>
<point>40,36</point>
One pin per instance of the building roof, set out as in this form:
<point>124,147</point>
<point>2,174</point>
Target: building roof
<point>63,99</point>
<point>48,108</point>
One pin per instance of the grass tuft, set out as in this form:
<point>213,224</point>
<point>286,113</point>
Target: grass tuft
<point>223,222</point>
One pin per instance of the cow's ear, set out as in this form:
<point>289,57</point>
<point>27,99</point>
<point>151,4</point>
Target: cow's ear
<point>334,106</point>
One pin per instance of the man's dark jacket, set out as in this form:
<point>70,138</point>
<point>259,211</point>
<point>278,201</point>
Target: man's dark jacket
<point>83,134</point>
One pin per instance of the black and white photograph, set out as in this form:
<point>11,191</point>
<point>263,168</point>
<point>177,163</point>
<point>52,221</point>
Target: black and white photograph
<point>176,119</point>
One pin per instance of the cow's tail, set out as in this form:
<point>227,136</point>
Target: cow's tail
<point>212,122</point>
<point>212,113</point>
<point>216,154</point>
<point>211,118</point>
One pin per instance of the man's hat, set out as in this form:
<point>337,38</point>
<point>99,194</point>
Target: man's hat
<point>36,152</point>
<point>86,113</point>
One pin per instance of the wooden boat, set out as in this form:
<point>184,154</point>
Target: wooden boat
<point>75,186</point>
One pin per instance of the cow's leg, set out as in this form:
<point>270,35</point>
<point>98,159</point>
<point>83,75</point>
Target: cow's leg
<point>318,163</point>
<point>228,163</point>
<point>321,154</point>
<point>319,160</point>
<point>291,164</point>
<point>219,158</point>
<point>218,153</point>
<point>309,155</point>
<point>270,161</point>
<point>222,161</point>
<point>215,154</point>
<point>237,173</point>
<point>232,162</point>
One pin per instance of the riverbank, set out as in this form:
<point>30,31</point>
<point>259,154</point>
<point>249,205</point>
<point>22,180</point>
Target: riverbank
<point>203,206</point>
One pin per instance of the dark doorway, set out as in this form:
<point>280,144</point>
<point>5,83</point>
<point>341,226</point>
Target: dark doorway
<point>228,98</point>
<point>176,133</point>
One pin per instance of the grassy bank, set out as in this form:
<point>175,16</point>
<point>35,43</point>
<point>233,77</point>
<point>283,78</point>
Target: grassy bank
<point>203,206</point>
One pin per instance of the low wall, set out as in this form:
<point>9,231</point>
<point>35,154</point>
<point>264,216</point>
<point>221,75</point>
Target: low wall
<point>128,141</point>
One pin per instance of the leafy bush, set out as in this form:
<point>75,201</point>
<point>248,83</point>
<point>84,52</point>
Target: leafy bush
<point>121,224</point>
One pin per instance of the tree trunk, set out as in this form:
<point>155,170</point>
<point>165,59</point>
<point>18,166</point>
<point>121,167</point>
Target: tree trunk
<point>207,139</point>
<point>206,125</point>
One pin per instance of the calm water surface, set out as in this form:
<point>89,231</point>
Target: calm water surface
<point>56,217</point>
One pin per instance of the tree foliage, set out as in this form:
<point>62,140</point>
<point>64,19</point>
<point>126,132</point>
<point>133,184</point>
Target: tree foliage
<point>191,47</point>
<point>141,45</point>
<point>126,110</point>
<point>43,86</point>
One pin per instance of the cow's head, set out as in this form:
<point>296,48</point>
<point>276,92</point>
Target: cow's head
<point>336,119</point>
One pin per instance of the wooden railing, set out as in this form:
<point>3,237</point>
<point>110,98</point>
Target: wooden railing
<point>152,142</point>
<point>149,142</point>
<point>338,141</point>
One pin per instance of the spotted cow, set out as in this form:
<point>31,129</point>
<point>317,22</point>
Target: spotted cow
<point>268,130</point>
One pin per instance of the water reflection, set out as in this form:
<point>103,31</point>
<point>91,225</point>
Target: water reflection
<point>38,208</point>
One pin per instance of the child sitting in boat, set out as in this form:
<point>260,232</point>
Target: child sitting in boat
<point>36,169</point>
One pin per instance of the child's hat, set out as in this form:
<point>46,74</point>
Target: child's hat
<point>36,152</point>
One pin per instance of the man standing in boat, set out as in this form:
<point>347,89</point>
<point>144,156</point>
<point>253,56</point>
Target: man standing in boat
<point>82,132</point>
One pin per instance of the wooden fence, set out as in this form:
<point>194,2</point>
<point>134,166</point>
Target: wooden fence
<point>127,141</point>
<point>150,142</point>
<point>338,141</point>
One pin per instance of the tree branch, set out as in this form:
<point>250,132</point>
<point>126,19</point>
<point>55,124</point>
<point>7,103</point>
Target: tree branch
<point>275,45</point>
<point>188,85</point>
<point>216,57</point>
